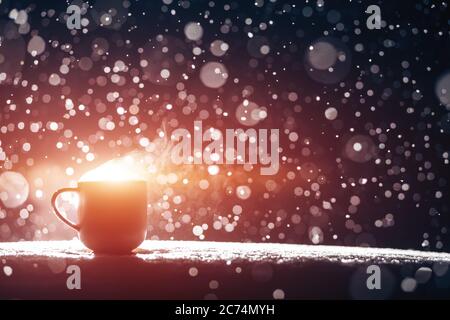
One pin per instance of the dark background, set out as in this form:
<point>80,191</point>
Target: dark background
<point>411,121</point>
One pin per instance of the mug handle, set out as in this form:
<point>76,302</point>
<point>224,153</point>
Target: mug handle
<point>58,214</point>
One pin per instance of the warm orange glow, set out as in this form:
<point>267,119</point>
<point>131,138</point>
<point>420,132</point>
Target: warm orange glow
<point>121,169</point>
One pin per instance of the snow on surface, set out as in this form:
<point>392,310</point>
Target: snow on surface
<point>204,251</point>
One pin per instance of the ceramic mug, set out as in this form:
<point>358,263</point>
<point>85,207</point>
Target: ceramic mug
<point>112,216</point>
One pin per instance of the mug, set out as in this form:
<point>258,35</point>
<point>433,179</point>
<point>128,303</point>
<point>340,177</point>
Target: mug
<point>112,216</point>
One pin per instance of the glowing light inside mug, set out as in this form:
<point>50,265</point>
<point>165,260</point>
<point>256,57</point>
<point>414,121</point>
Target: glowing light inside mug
<point>122,169</point>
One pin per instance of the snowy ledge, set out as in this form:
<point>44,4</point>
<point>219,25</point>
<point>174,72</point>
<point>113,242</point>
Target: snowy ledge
<point>224,270</point>
<point>207,251</point>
